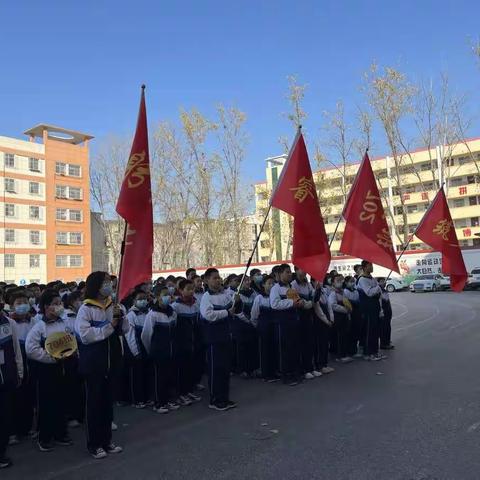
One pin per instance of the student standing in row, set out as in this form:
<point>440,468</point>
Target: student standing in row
<point>385,318</point>
<point>356,324</point>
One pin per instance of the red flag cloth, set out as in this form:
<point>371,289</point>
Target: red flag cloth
<point>437,230</point>
<point>135,206</point>
<point>366,232</point>
<point>296,195</point>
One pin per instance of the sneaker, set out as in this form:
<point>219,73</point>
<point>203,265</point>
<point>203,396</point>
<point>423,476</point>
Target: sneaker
<point>73,423</point>
<point>358,355</point>
<point>194,398</point>
<point>184,400</point>
<point>290,381</point>
<point>114,427</point>
<point>5,462</point>
<point>381,356</point>
<point>231,404</point>
<point>272,380</point>
<point>309,376</point>
<point>162,409</point>
<point>316,373</point>
<point>199,387</point>
<point>150,403</point>
<point>220,406</point>
<point>373,358</point>
<point>140,405</point>
<point>327,370</point>
<point>98,453</point>
<point>13,440</point>
<point>346,359</point>
<point>64,442</point>
<point>112,448</point>
<point>45,446</point>
<point>173,405</point>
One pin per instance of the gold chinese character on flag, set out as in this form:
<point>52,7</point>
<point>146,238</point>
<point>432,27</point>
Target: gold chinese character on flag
<point>304,189</point>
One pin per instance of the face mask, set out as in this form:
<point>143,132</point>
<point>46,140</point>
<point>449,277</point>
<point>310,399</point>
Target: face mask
<point>171,290</point>
<point>106,290</point>
<point>350,286</point>
<point>258,279</point>
<point>64,292</point>
<point>166,300</point>
<point>32,301</point>
<point>141,303</point>
<point>22,309</point>
<point>59,310</point>
<point>329,281</point>
<point>337,284</point>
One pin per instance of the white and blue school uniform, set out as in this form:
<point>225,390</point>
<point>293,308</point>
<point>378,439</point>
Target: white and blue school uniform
<point>286,320</point>
<point>370,292</point>
<point>356,320</point>
<point>11,371</point>
<point>52,380</point>
<point>187,321</point>
<point>158,338</point>
<point>341,318</point>
<point>305,315</point>
<point>216,333</point>
<point>99,362</point>
<point>385,320</point>
<point>139,365</point>
<point>261,317</point>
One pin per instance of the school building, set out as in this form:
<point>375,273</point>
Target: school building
<point>45,206</point>
<point>408,185</point>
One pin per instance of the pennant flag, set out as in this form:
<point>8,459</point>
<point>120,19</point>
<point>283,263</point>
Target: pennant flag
<point>366,234</point>
<point>437,230</point>
<point>296,195</point>
<point>135,206</point>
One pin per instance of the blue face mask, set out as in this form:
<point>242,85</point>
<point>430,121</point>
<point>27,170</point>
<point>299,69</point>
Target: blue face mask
<point>171,290</point>
<point>166,300</point>
<point>141,303</point>
<point>106,290</point>
<point>22,309</point>
<point>258,279</point>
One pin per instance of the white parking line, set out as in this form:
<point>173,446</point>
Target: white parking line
<point>431,317</point>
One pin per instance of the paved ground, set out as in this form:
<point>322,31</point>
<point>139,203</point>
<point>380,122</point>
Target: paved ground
<point>415,416</point>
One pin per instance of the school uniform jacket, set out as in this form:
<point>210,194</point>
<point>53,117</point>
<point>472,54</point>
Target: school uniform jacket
<point>281,305</point>
<point>187,320</point>
<point>22,328</point>
<point>335,302</point>
<point>214,315</point>
<point>261,314</point>
<point>98,340</point>
<point>370,292</point>
<point>136,321</point>
<point>158,334</point>
<point>11,363</point>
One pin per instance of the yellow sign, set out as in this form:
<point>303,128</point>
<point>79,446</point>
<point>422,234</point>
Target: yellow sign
<point>443,228</point>
<point>305,188</point>
<point>137,170</point>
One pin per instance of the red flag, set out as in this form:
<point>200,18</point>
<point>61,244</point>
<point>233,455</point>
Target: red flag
<point>366,232</point>
<point>135,206</point>
<point>437,230</point>
<point>296,194</point>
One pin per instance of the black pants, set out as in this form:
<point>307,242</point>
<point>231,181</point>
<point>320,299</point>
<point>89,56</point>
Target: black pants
<point>286,339</point>
<point>218,369</point>
<point>99,410</point>
<point>199,363</point>
<point>266,347</point>
<point>321,336</point>
<point>75,394</point>
<point>52,387</point>
<point>306,341</point>
<point>6,415</point>
<point>386,329</point>
<point>185,372</point>
<point>23,398</point>
<point>342,323</point>
<point>140,379</point>
<point>247,349</point>
<point>372,331</point>
<point>356,329</point>
<point>164,380</point>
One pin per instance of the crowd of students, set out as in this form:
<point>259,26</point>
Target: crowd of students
<point>153,348</point>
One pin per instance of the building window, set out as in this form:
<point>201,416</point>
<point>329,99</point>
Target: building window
<point>75,215</point>
<point>34,261</point>
<point>75,260</point>
<point>61,261</point>
<point>75,193</point>
<point>412,208</point>
<point>75,238</point>
<point>9,160</point>
<point>475,221</point>
<point>9,260</point>
<point>33,164</point>
<point>473,200</point>
<point>456,182</point>
<point>34,188</point>
<point>60,168</point>
<point>458,202</point>
<point>9,235</point>
<point>10,185</point>
<point>463,160</point>
<point>34,237</point>
<point>74,170</point>
<point>61,214</point>
<point>9,210</point>
<point>461,223</point>
<point>61,191</point>
<point>62,238</point>
<point>34,212</point>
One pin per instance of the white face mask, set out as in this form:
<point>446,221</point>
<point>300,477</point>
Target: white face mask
<point>59,310</point>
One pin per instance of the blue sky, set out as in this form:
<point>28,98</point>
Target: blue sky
<point>80,64</point>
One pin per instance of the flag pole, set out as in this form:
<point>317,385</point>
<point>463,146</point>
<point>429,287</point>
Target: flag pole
<point>299,130</point>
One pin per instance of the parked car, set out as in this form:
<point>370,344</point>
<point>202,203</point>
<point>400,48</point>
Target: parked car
<point>426,283</point>
<point>444,281</point>
<point>395,285</point>
<point>474,278</point>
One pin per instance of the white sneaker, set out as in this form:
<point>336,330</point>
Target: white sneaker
<point>184,401</point>
<point>98,453</point>
<point>200,387</point>
<point>140,405</point>
<point>375,358</point>
<point>13,440</point>
<point>309,376</point>
<point>163,409</point>
<point>112,448</point>
<point>316,373</point>
<point>327,370</point>
<point>173,405</point>
<point>358,355</point>
<point>194,398</point>
<point>346,359</point>
<point>114,427</point>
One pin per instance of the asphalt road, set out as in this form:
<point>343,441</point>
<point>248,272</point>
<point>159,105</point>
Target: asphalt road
<point>415,416</point>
